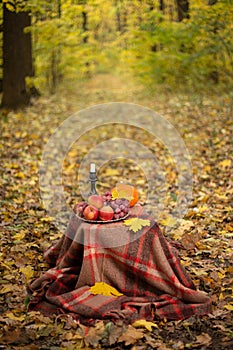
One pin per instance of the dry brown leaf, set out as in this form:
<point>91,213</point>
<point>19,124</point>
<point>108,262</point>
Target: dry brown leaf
<point>94,334</point>
<point>131,336</point>
<point>114,333</point>
<point>203,339</point>
<point>189,240</point>
<point>185,226</point>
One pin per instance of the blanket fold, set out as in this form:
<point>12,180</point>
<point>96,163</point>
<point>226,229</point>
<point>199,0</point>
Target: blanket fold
<point>144,267</point>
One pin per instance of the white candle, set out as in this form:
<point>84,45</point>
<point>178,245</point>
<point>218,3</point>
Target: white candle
<point>92,168</point>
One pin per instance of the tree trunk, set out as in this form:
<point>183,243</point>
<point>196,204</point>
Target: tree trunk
<point>182,9</point>
<point>161,5</point>
<point>212,2</point>
<point>17,58</point>
<point>84,26</point>
<point>214,74</point>
<point>58,8</point>
<point>121,17</point>
<point>118,18</point>
<point>162,10</point>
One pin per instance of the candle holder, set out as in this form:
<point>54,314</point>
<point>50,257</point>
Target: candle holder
<point>92,180</point>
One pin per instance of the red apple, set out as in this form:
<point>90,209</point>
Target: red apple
<point>91,213</point>
<point>106,213</point>
<point>96,201</point>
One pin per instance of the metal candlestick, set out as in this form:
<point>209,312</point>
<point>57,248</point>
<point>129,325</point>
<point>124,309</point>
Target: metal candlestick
<point>92,180</point>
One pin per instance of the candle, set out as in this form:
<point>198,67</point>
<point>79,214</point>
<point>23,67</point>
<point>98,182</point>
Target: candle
<point>92,168</point>
<point>92,179</point>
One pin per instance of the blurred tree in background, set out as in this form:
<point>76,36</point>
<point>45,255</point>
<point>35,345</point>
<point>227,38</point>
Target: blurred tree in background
<point>177,44</point>
<point>16,54</point>
<point>193,53</point>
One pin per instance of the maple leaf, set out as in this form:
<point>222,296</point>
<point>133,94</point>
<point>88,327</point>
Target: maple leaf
<point>136,223</point>
<point>130,336</point>
<point>114,331</point>
<point>94,334</point>
<point>104,289</point>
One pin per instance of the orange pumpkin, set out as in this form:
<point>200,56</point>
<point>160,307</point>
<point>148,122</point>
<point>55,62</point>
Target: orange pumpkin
<point>125,191</point>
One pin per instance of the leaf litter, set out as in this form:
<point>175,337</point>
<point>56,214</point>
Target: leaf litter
<point>205,233</point>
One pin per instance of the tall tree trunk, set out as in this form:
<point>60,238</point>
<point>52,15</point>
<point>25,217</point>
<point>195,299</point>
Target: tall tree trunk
<point>212,2</point>
<point>17,58</point>
<point>84,26</point>
<point>1,65</point>
<point>182,9</point>
<point>59,8</point>
<point>161,5</point>
<point>121,16</point>
<point>214,74</point>
<point>151,5</point>
<point>118,18</point>
<point>54,76</point>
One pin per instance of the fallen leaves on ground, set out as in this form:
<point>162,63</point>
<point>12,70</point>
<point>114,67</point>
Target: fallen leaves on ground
<point>205,123</point>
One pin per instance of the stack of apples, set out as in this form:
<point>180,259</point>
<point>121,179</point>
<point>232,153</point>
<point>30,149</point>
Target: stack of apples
<point>102,207</point>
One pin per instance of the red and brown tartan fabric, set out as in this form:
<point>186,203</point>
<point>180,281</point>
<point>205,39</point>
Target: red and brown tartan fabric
<point>143,266</point>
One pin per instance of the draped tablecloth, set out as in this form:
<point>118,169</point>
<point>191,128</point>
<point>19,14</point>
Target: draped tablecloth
<point>143,266</point>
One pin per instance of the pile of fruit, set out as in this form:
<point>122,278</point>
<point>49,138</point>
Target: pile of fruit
<point>112,205</point>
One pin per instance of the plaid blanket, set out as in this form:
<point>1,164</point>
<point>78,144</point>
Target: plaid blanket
<point>143,266</point>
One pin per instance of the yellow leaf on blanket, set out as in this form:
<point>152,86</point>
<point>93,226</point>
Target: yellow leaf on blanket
<point>104,289</point>
<point>136,224</point>
<point>146,324</point>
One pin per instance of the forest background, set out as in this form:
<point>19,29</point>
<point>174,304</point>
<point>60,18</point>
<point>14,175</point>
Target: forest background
<point>177,44</point>
<point>58,57</point>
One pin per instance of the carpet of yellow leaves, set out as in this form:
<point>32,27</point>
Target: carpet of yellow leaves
<point>205,123</point>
